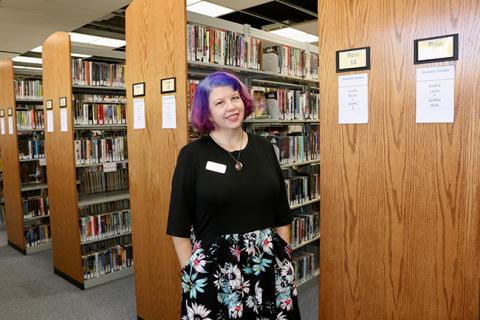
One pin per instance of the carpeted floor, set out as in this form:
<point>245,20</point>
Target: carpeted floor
<point>30,290</point>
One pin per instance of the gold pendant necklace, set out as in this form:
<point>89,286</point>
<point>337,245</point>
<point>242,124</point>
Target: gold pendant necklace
<point>238,164</point>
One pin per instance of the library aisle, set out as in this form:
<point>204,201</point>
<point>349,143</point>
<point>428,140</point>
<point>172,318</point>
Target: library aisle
<point>30,290</point>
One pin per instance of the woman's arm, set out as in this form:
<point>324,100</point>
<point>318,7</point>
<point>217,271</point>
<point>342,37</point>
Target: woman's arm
<point>284,233</point>
<point>183,248</point>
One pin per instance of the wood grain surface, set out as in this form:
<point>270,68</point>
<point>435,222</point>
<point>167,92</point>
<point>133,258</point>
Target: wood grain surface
<point>400,200</point>
<point>10,156</point>
<point>156,37</point>
<point>59,151</point>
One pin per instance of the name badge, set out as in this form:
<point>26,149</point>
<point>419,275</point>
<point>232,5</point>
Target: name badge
<point>216,167</point>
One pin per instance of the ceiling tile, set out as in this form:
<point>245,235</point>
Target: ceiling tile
<point>239,5</point>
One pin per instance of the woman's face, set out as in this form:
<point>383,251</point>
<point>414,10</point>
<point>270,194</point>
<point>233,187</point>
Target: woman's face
<point>226,108</point>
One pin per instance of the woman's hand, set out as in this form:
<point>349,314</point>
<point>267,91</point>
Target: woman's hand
<point>284,233</point>
<point>183,248</point>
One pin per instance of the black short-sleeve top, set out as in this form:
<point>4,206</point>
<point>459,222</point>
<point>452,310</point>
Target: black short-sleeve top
<point>210,195</point>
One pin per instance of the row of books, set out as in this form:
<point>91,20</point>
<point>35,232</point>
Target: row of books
<point>295,148</point>
<point>31,149</point>
<point>216,46</point>
<point>304,185</point>
<point>35,207</point>
<point>92,73</point>
<point>37,234</point>
<point>192,86</point>
<point>28,89</point>
<point>104,225</point>
<point>100,150</point>
<point>93,179</point>
<point>32,172</point>
<point>303,266</point>
<point>96,264</point>
<point>210,45</point>
<point>285,104</point>
<point>99,98</point>
<point>102,257</point>
<point>305,225</point>
<point>290,61</point>
<point>99,113</point>
<point>30,119</point>
<point>302,189</point>
<point>101,208</point>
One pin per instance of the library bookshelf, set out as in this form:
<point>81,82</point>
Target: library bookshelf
<point>25,193</point>
<point>88,166</point>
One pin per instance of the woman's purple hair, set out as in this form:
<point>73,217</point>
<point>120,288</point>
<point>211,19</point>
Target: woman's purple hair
<point>200,110</point>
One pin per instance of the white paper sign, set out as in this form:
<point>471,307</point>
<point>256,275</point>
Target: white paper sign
<point>2,125</point>
<point>110,167</point>
<point>169,115</point>
<point>10,124</point>
<point>353,98</point>
<point>138,113</point>
<point>435,94</point>
<point>49,120</point>
<point>42,161</point>
<point>63,120</point>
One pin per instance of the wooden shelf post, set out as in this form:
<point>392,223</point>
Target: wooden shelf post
<point>59,151</point>
<point>11,167</point>
<point>155,33</point>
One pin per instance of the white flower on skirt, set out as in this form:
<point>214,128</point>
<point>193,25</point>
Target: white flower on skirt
<point>255,303</point>
<point>267,244</point>
<point>244,287</point>
<point>237,310</point>
<point>287,304</point>
<point>287,271</point>
<point>236,251</point>
<point>198,262</point>
<point>197,312</point>
<point>229,279</point>
<point>233,274</point>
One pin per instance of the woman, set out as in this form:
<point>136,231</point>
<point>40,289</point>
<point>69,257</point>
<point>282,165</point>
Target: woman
<point>228,185</point>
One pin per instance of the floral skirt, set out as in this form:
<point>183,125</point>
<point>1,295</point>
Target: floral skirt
<point>240,276</point>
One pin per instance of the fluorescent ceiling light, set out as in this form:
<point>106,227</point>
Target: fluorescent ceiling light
<point>295,34</point>
<point>209,9</point>
<point>82,38</point>
<point>190,2</point>
<point>78,55</point>
<point>109,42</point>
<point>28,68</point>
<point>27,59</point>
<point>98,41</point>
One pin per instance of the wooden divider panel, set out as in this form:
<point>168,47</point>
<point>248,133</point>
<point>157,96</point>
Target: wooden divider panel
<point>400,200</point>
<point>11,168</point>
<point>156,49</point>
<point>59,151</point>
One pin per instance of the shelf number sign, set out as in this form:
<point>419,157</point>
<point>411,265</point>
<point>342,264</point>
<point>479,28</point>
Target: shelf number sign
<point>353,59</point>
